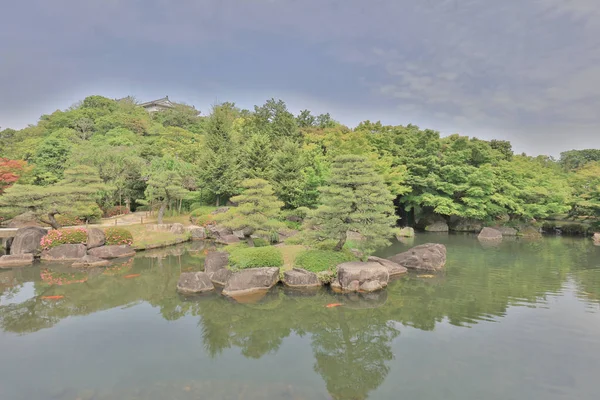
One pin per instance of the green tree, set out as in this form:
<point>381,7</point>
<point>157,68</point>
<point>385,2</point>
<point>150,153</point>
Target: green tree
<point>256,211</point>
<point>289,179</point>
<point>220,171</point>
<point>257,157</point>
<point>355,199</point>
<point>76,192</point>
<point>165,184</point>
<point>50,158</point>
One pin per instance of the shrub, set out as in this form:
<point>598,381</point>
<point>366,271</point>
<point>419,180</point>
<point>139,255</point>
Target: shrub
<point>118,236</point>
<point>202,210</point>
<point>117,210</point>
<point>260,242</point>
<point>322,260</point>
<point>56,237</point>
<point>255,257</point>
<point>69,220</point>
<point>203,220</point>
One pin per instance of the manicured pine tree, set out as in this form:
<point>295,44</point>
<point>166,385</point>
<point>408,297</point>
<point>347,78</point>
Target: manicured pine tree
<point>289,180</point>
<point>355,199</point>
<point>257,209</point>
<point>258,157</point>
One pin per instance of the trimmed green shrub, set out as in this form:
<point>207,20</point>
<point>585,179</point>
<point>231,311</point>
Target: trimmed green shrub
<point>260,242</point>
<point>56,237</point>
<point>202,210</point>
<point>255,257</point>
<point>322,260</point>
<point>118,236</point>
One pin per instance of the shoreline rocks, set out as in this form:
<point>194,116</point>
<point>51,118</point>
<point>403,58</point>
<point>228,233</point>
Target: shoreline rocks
<point>406,232</point>
<point>65,252</point>
<point>251,280</point>
<point>490,234</point>
<point>426,257</point>
<point>112,251</point>
<point>27,241</point>
<point>301,278</point>
<point>357,276</point>
<point>16,260</point>
<point>194,283</point>
<point>90,262</point>
<point>95,238</point>
<point>393,268</point>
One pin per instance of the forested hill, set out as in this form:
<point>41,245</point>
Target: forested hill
<point>141,158</point>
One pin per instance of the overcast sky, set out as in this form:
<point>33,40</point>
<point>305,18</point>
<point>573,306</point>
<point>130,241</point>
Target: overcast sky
<point>523,70</point>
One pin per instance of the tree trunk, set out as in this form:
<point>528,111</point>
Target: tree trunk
<point>218,200</point>
<point>161,212</point>
<point>340,244</point>
<point>53,223</point>
<point>180,201</point>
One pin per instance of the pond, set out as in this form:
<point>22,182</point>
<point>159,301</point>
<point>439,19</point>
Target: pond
<point>520,320</point>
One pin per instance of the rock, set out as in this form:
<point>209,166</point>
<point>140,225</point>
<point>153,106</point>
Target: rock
<point>65,252</point>
<point>393,268</point>
<point>24,220</point>
<point>177,229</point>
<point>251,280</point>
<point>352,275</point>
<point>371,286</point>
<point>95,238</point>
<point>301,278</point>
<point>490,234</point>
<point>88,261</point>
<point>427,257</point>
<point>596,237</point>
<point>217,231</point>
<point>227,239</point>
<point>506,231</point>
<point>458,224</point>
<point>27,240</point>
<point>284,234</point>
<point>197,232</point>
<point>220,210</point>
<point>194,282</point>
<point>530,232</point>
<point>113,251</point>
<point>243,233</point>
<point>159,227</point>
<point>16,260</point>
<point>405,232</point>
<point>293,218</point>
<point>220,277</point>
<point>215,260</point>
<point>437,227</point>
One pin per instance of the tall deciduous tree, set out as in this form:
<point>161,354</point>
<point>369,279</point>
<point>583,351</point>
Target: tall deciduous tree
<point>10,171</point>
<point>355,199</point>
<point>165,184</point>
<point>256,211</point>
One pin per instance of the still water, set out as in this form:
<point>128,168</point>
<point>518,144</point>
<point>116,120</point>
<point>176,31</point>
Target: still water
<point>517,321</point>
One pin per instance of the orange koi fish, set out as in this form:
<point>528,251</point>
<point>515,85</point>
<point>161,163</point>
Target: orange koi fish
<point>52,297</point>
<point>333,305</point>
<point>425,276</point>
<point>131,276</point>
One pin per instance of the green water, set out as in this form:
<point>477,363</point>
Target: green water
<point>516,321</point>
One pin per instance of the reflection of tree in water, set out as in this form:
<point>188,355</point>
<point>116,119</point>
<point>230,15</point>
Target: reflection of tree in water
<point>351,352</point>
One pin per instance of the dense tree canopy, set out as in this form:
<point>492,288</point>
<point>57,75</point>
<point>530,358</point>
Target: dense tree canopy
<point>453,176</point>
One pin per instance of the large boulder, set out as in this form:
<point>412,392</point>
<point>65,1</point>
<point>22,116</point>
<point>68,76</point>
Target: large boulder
<point>529,231</point>
<point>65,252</point>
<point>220,277</point>
<point>112,251</point>
<point>490,234</point>
<point>405,232</point>
<point>177,229</point>
<point>357,276</point>
<point>215,260</point>
<point>196,232</point>
<point>194,282</point>
<point>426,257</point>
<point>95,238</point>
<point>393,268</point>
<point>506,231</point>
<point>458,224</point>
<point>438,226</point>
<point>251,280</point>
<point>16,260</point>
<point>596,238</point>
<point>88,261</point>
<point>227,239</point>
<point>217,231</point>
<point>27,240</point>
<point>301,278</point>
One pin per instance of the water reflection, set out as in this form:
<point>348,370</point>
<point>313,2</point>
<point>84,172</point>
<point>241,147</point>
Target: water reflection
<point>351,346</point>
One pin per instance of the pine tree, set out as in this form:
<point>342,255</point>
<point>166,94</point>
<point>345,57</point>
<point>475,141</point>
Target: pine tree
<point>257,209</point>
<point>76,192</point>
<point>258,157</point>
<point>220,166</point>
<point>355,199</point>
<point>289,181</point>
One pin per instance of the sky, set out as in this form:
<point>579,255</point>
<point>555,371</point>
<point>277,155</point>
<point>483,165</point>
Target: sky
<point>527,71</point>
